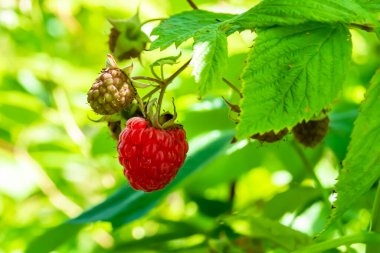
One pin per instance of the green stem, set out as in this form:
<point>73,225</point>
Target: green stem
<point>232,87</point>
<point>192,4</point>
<point>147,78</point>
<point>310,169</point>
<point>151,20</point>
<point>375,226</point>
<point>346,240</point>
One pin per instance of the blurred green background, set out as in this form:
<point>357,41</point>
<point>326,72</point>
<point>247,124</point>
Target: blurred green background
<point>56,162</point>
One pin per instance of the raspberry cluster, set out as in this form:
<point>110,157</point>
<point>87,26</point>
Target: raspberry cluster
<point>151,147</point>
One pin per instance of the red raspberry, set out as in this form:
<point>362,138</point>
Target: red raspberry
<point>151,157</point>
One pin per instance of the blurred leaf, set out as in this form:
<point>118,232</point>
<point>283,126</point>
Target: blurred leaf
<point>210,207</point>
<point>127,205</point>
<point>232,165</point>
<point>103,144</point>
<point>290,201</point>
<point>183,26</point>
<point>341,125</point>
<point>49,241</point>
<point>260,227</point>
<point>158,241</point>
<point>209,58</point>
<point>292,60</point>
<point>361,166</point>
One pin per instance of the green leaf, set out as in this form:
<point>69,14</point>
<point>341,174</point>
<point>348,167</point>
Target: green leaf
<point>209,58</point>
<point>49,241</point>
<point>293,72</point>
<point>183,26</point>
<point>260,227</point>
<point>361,168</point>
<point>290,201</point>
<point>295,12</point>
<point>371,5</point>
<point>341,125</point>
<point>127,205</point>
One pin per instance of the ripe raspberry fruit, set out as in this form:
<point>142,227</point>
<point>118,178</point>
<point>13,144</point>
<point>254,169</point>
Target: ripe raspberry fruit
<point>270,136</point>
<point>151,157</point>
<point>111,92</point>
<point>312,132</point>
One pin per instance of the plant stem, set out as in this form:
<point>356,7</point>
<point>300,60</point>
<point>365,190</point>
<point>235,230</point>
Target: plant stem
<point>310,169</point>
<point>346,240</point>
<point>162,83</point>
<point>151,20</point>
<point>233,87</point>
<point>192,4</point>
<point>375,226</point>
<point>147,78</point>
<point>175,74</point>
<point>159,102</point>
<point>150,93</point>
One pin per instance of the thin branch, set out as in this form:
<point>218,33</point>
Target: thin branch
<point>233,87</point>
<point>150,93</point>
<point>147,78</point>
<point>152,20</point>
<point>192,4</point>
<point>171,78</point>
<point>310,169</point>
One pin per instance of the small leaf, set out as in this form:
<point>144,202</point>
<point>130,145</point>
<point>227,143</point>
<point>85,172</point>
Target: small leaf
<point>295,12</point>
<point>183,26</point>
<point>209,58</point>
<point>293,72</point>
<point>361,167</point>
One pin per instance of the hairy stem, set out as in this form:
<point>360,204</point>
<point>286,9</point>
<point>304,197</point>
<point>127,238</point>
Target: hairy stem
<point>152,20</point>
<point>192,4</point>
<point>147,78</point>
<point>310,169</point>
<point>175,74</point>
<point>233,87</point>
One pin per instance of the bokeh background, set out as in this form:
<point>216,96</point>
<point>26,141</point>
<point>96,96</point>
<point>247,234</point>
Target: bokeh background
<point>55,161</point>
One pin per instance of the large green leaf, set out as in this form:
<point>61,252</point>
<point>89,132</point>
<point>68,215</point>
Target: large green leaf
<point>295,12</point>
<point>178,28</point>
<point>372,5</point>
<point>127,205</point>
<point>209,58</point>
<point>361,168</point>
<point>293,72</point>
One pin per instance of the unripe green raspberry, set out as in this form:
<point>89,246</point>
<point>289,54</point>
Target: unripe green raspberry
<point>111,92</point>
<point>126,39</point>
<point>312,132</point>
